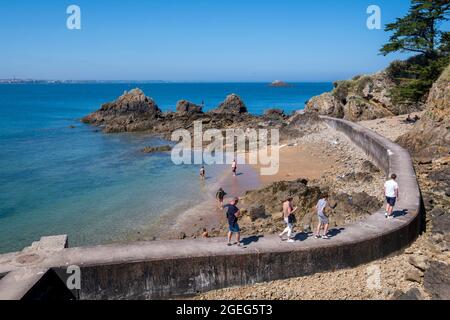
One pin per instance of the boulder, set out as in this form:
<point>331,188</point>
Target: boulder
<point>157,149</point>
<point>410,295</point>
<point>232,104</point>
<point>184,106</point>
<point>420,262</point>
<point>437,280</point>
<point>132,111</point>
<point>274,113</point>
<point>257,212</point>
<point>414,276</point>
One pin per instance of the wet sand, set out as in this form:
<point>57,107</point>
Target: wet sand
<point>295,162</point>
<point>207,214</point>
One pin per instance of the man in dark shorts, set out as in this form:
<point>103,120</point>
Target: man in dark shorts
<point>391,191</point>
<point>233,213</point>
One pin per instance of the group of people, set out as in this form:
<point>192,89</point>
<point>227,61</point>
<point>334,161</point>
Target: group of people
<point>233,170</point>
<point>391,192</point>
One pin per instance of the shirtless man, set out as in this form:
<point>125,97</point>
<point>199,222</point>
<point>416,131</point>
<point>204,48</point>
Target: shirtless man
<point>288,210</point>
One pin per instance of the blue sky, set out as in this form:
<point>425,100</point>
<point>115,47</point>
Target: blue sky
<point>194,40</point>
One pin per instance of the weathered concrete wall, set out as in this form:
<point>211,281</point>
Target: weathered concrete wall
<point>374,146</point>
<point>164,269</point>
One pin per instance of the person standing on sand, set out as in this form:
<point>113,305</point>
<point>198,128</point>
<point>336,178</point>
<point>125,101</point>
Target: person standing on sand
<point>323,219</point>
<point>391,191</point>
<point>202,173</point>
<point>233,213</point>
<point>234,167</point>
<point>220,194</point>
<point>289,219</point>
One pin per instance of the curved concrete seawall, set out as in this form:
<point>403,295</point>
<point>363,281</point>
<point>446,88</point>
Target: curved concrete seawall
<point>164,269</point>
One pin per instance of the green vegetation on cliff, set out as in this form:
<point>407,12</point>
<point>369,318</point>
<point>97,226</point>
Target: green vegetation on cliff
<point>418,32</point>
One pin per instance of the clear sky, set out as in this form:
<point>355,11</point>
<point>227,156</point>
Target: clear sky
<point>194,40</point>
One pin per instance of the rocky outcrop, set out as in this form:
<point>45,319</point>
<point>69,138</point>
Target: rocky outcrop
<point>362,98</point>
<point>184,106</point>
<point>132,111</point>
<point>262,208</point>
<point>233,104</point>
<point>431,135</point>
<point>274,113</point>
<point>157,149</point>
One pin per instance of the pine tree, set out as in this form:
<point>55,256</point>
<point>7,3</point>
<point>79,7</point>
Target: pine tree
<point>418,32</point>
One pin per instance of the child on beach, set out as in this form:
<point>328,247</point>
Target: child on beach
<point>323,218</point>
<point>391,192</point>
<point>289,219</point>
<point>220,195</point>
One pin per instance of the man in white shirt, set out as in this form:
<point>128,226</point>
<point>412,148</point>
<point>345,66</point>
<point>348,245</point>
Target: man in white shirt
<point>391,193</point>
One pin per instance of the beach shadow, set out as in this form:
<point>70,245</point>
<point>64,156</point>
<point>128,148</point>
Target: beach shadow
<point>302,236</point>
<point>249,240</point>
<point>400,213</point>
<point>335,232</point>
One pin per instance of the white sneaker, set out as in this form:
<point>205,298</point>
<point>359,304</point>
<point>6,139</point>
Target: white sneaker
<point>291,240</point>
<point>386,215</point>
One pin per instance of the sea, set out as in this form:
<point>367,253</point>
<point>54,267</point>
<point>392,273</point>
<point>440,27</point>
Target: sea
<point>60,176</point>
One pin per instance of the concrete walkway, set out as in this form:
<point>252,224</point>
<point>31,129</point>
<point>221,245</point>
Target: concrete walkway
<point>205,264</point>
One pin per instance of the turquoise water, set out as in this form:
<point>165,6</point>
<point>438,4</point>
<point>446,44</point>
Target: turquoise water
<point>94,187</point>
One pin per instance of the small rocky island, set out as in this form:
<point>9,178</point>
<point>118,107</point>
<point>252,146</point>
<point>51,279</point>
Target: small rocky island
<point>279,84</point>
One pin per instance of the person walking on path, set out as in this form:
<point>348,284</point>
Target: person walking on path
<point>289,219</point>
<point>234,167</point>
<point>220,195</point>
<point>391,191</point>
<point>233,214</point>
<point>321,206</point>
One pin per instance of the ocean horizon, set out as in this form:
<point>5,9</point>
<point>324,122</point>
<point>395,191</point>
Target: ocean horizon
<point>60,176</point>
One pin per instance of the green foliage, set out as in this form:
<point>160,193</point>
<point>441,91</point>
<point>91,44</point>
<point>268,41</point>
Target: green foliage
<point>415,77</point>
<point>418,32</point>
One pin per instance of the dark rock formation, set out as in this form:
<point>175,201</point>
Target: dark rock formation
<point>184,106</point>
<point>437,280</point>
<point>157,149</point>
<point>410,295</point>
<point>274,113</point>
<point>232,104</point>
<point>132,111</point>
<point>362,98</point>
